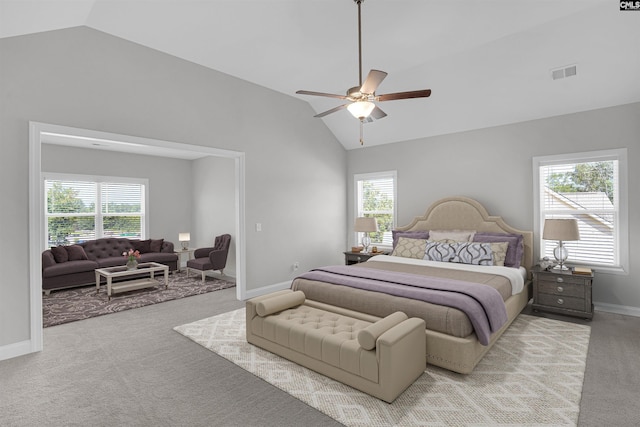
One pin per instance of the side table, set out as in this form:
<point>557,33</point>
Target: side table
<point>357,257</point>
<point>189,252</point>
<point>563,292</point>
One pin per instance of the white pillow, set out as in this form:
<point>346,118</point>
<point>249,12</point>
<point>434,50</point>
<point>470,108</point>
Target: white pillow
<point>451,235</point>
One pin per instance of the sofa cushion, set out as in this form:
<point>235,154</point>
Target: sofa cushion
<point>69,267</point>
<point>60,254</point>
<point>106,247</point>
<point>142,246</point>
<point>76,253</point>
<point>160,257</point>
<point>156,245</point>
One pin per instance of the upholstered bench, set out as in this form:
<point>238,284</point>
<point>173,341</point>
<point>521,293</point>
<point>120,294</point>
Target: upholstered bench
<point>381,357</point>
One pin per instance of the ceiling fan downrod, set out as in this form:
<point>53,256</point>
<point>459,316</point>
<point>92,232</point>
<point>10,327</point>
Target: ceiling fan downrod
<point>359,2</point>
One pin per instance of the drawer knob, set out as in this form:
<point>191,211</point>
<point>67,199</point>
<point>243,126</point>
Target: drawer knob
<point>559,279</point>
<point>560,301</point>
<point>560,289</point>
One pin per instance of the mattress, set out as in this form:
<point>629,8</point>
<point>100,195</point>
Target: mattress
<point>447,320</point>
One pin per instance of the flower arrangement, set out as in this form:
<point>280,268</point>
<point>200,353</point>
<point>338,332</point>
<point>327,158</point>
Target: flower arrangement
<point>131,255</point>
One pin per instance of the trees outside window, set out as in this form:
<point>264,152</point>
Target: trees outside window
<point>375,197</point>
<point>72,213</point>
<point>591,188</point>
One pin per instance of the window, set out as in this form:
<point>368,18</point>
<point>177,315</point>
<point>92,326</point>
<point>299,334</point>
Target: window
<point>376,197</point>
<point>80,208</point>
<point>591,188</point>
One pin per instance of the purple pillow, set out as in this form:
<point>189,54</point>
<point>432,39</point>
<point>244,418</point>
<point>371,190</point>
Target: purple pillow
<point>515,251</point>
<point>76,253</point>
<point>156,245</point>
<point>410,234</point>
<point>142,246</point>
<point>60,254</point>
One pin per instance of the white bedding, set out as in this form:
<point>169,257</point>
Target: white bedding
<point>515,275</point>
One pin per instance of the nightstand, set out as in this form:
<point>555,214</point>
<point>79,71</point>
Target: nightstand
<point>562,292</point>
<point>356,257</point>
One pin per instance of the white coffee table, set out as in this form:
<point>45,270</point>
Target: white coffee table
<point>149,268</point>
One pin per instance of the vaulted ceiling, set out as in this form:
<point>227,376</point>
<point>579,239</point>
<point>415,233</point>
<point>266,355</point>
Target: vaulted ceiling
<point>487,62</point>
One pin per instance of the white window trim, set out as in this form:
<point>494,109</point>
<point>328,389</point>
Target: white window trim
<point>368,176</point>
<point>54,176</point>
<point>622,237</point>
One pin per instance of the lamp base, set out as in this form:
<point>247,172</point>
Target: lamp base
<point>185,245</point>
<point>561,267</point>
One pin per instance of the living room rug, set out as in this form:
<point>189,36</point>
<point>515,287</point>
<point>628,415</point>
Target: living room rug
<point>532,376</point>
<point>70,305</point>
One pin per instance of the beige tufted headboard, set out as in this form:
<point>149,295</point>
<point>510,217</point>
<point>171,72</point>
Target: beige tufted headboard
<point>462,213</point>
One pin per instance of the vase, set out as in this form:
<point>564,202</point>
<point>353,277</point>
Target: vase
<point>132,264</point>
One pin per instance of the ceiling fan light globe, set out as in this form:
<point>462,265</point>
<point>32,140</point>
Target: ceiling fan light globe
<point>361,109</point>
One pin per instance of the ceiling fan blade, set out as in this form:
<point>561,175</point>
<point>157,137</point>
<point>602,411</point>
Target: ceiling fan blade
<point>372,81</point>
<point>404,95</point>
<point>330,95</point>
<point>378,114</point>
<point>333,110</point>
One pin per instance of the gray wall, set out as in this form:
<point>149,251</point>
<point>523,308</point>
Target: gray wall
<point>213,209</point>
<point>80,77</point>
<point>494,166</point>
<point>169,204</point>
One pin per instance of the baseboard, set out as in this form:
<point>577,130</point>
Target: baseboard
<point>618,309</point>
<point>267,289</point>
<point>10,351</point>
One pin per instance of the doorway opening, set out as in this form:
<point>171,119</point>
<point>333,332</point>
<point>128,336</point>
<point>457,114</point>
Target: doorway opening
<point>40,133</point>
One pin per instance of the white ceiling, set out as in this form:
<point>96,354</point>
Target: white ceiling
<point>487,62</point>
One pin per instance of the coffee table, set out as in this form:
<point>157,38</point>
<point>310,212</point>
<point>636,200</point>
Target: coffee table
<point>148,268</point>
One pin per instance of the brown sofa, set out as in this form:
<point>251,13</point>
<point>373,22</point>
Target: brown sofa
<point>75,265</point>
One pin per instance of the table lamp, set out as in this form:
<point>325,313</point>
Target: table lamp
<point>365,225</point>
<point>561,230</point>
<point>184,238</point>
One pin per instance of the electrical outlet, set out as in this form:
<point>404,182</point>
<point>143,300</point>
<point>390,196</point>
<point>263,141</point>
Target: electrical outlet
<point>296,266</point>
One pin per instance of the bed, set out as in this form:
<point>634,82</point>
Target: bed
<point>456,332</point>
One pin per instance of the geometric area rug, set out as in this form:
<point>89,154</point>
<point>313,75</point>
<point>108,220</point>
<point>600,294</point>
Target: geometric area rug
<point>533,375</point>
<point>69,305</point>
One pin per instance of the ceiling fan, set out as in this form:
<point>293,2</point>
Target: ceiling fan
<point>363,96</point>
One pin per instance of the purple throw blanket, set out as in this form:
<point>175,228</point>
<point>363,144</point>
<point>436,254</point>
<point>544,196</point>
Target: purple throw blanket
<point>482,304</point>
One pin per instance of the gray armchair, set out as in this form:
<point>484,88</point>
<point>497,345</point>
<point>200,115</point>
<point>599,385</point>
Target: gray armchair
<point>214,258</point>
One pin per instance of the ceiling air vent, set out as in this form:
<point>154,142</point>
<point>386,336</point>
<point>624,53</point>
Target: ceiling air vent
<point>561,73</point>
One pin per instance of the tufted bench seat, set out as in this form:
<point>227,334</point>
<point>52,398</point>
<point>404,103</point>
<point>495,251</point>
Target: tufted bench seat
<point>381,357</point>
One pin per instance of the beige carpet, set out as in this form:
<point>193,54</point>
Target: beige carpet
<point>532,376</point>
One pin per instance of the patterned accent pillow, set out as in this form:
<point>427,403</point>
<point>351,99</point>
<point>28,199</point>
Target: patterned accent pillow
<point>460,252</point>
<point>410,234</point>
<point>439,251</point>
<point>410,248</point>
<point>499,250</point>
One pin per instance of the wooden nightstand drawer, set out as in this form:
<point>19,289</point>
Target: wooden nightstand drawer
<point>561,288</point>
<point>562,278</point>
<point>564,302</point>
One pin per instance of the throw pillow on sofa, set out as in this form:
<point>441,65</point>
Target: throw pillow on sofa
<point>76,253</point>
<point>142,246</point>
<point>156,245</point>
<point>60,254</point>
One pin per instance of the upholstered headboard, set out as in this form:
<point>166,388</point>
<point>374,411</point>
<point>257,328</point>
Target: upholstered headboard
<point>462,213</point>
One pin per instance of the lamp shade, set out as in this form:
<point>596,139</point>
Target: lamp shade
<point>365,224</point>
<point>361,109</point>
<point>561,229</point>
<point>184,237</point>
